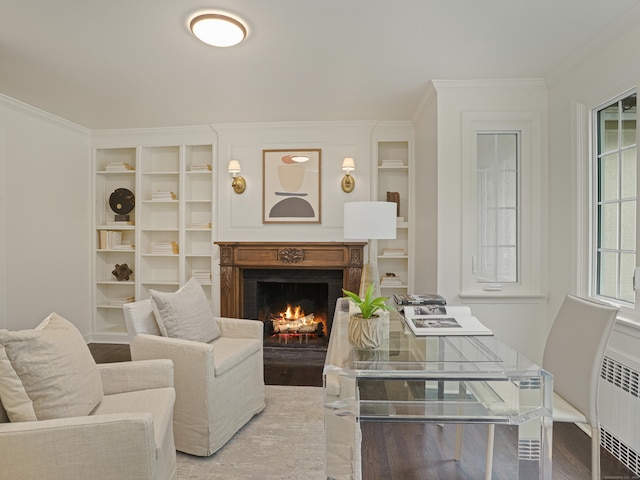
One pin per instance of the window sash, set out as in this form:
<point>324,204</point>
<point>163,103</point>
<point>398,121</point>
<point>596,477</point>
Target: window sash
<point>613,257</point>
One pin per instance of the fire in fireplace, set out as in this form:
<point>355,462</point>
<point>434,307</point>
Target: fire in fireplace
<point>294,305</point>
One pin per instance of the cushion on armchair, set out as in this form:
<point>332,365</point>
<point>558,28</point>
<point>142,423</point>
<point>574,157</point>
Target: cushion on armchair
<point>47,372</point>
<point>185,314</point>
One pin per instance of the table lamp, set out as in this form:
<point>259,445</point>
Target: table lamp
<point>370,221</point>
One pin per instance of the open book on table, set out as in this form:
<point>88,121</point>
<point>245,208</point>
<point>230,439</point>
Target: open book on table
<point>443,320</point>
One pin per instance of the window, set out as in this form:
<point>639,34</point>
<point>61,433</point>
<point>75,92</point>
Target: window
<point>503,207</point>
<point>497,188</point>
<point>615,178</point>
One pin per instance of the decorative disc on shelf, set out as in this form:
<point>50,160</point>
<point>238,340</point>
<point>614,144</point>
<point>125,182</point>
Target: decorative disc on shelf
<point>122,201</point>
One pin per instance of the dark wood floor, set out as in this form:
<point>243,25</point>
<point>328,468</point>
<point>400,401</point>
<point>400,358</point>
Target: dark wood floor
<point>425,451</point>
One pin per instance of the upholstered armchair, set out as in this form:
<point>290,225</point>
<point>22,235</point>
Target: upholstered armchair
<point>219,382</point>
<point>63,417</point>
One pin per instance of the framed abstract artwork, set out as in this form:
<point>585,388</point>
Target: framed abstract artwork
<point>291,186</point>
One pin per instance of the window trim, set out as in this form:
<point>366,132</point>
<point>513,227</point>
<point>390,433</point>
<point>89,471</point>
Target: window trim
<point>532,203</point>
<point>627,309</point>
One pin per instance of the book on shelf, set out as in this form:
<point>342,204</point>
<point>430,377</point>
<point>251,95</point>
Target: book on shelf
<point>393,252</point>
<point>118,167</point>
<point>391,280</point>
<point>393,163</point>
<point>163,196</point>
<point>443,320</point>
<point>164,248</point>
<point>419,299</point>
<point>203,225</point>
<point>119,301</point>
<point>200,167</point>
<point>110,239</point>
<point>202,276</point>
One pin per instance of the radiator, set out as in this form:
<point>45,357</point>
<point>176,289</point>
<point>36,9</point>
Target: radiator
<point>619,408</point>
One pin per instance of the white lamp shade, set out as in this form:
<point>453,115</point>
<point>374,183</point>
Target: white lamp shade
<point>369,220</point>
<point>348,165</point>
<point>234,166</point>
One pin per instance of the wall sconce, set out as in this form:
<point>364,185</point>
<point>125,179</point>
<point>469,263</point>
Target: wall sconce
<point>238,183</point>
<point>348,182</point>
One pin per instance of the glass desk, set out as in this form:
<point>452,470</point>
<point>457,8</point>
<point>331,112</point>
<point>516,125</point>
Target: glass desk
<point>439,379</point>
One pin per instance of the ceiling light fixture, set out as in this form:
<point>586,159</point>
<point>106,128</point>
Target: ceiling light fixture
<point>217,29</point>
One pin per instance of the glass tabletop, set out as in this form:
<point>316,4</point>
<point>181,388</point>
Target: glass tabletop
<point>406,355</point>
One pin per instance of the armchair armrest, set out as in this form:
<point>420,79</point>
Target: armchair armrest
<point>240,328</point>
<point>133,376</point>
<point>99,447</point>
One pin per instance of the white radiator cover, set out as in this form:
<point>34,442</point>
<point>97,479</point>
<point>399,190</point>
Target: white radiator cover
<point>619,407</point>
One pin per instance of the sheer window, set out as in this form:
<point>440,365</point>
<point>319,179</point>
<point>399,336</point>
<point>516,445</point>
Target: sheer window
<point>615,180</point>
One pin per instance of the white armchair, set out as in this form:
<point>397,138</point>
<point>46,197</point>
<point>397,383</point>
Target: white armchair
<point>219,385</point>
<point>129,435</point>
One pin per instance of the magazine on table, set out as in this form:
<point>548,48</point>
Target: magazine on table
<point>419,299</point>
<point>443,320</point>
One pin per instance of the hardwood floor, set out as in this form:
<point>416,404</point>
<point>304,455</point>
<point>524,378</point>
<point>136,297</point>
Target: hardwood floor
<point>416,451</point>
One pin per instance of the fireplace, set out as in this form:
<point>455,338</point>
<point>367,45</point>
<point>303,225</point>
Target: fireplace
<point>260,281</point>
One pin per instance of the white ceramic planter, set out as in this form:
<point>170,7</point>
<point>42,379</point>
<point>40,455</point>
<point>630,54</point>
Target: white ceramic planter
<point>366,333</point>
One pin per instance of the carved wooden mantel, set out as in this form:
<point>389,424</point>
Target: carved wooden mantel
<point>237,256</point>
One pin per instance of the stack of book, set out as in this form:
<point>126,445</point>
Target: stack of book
<point>200,167</point>
<point>202,276</point>
<point>203,225</point>
<point>391,281</point>
<point>164,248</point>
<point>418,299</point>
<point>163,196</point>
<point>393,252</point>
<point>393,163</point>
<point>119,301</point>
<point>118,167</point>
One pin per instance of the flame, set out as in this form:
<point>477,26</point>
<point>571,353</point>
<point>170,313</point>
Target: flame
<point>294,314</point>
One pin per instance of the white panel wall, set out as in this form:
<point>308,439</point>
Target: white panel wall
<point>572,94</point>
<point>521,323</point>
<point>45,253</point>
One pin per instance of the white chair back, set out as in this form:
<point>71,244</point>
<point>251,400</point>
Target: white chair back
<point>575,349</point>
<point>139,318</point>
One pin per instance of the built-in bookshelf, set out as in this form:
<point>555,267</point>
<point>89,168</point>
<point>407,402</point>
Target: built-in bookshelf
<point>168,236</point>
<point>392,156</point>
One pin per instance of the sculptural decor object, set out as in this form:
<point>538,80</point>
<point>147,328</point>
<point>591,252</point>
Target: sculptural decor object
<point>291,186</point>
<point>122,272</point>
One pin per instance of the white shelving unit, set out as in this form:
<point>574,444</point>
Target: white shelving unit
<point>170,229</point>
<point>393,156</point>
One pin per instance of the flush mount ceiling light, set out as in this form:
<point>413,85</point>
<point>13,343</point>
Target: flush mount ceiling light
<point>218,29</point>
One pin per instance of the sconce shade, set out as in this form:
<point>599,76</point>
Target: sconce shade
<point>348,165</point>
<point>234,167</point>
<point>369,220</point>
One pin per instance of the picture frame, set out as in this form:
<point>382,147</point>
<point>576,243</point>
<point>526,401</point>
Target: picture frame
<point>291,186</point>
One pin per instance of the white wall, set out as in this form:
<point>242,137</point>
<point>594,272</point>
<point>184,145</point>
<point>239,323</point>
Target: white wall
<point>425,253</point>
<point>519,322</point>
<point>240,216</point>
<point>572,94</point>
<point>45,214</point>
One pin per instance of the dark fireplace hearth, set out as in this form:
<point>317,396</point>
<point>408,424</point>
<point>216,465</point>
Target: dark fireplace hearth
<point>295,306</point>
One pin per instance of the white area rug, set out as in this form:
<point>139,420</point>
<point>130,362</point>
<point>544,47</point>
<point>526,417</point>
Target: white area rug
<point>285,441</point>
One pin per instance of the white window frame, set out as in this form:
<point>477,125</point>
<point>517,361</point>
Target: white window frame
<point>531,203</point>
<point>627,310</point>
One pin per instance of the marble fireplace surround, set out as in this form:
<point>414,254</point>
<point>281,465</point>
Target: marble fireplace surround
<point>236,257</point>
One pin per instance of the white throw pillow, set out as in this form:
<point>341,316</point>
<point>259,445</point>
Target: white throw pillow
<point>185,314</point>
<point>47,372</point>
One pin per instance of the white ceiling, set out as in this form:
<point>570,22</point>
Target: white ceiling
<point>133,63</point>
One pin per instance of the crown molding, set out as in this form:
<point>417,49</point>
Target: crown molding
<point>39,114</point>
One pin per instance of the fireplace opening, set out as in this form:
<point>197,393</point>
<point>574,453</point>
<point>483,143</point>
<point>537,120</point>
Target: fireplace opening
<point>295,306</point>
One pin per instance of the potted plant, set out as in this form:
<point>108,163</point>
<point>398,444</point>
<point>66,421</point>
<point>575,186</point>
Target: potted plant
<point>366,330</point>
